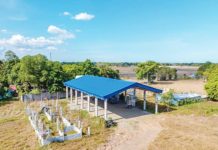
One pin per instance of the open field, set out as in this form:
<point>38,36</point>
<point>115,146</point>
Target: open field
<point>15,129</point>
<point>16,133</point>
<point>129,72</point>
<point>191,126</point>
<point>181,86</point>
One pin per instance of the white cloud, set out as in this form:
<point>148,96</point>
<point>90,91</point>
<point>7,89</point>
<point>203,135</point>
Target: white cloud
<point>3,31</point>
<point>84,16</point>
<point>51,48</point>
<point>66,13</point>
<point>78,30</point>
<point>60,32</point>
<point>21,43</point>
<point>18,18</point>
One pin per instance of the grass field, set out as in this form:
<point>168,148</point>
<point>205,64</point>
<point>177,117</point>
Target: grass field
<point>15,130</point>
<point>190,127</point>
<point>17,133</point>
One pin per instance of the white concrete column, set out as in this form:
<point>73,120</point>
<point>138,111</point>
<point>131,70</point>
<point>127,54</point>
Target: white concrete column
<point>134,97</point>
<point>88,108</point>
<point>66,93</point>
<point>81,98</point>
<point>76,97</point>
<point>156,104</point>
<point>71,95</point>
<point>125,96</point>
<point>144,96</point>
<point>105,109</point>
<point>96,106</point>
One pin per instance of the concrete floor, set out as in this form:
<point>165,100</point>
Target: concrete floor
<point>117,112</point>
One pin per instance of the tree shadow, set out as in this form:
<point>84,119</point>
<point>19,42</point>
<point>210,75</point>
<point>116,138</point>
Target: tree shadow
<point>150,107</point>
<point>163,82</point>
<point>7,101</point>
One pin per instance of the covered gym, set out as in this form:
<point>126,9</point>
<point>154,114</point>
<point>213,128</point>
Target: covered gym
<point>84,89</point>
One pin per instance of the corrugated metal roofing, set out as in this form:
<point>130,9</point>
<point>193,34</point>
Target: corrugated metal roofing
<point>104,88</point>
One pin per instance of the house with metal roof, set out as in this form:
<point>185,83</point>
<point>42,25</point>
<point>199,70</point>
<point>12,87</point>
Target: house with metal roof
<point>104,89</point>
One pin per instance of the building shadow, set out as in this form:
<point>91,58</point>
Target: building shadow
<point>121,111</point>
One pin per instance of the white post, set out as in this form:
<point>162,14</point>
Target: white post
<point>96,106</point>
<point>144,95</point>
<point>66,93</point>
<point>125,96</point>
<point>71,95</point>
<point>57,123</point>
<point>57,104</point>
<point>61,112</point>
<point>89,131</point>
<point>105,109</point>
<point>134,97</point>
<point>156,104</point>
<point>88,109</point>
<point>81,98</point>
<point>76,98</point>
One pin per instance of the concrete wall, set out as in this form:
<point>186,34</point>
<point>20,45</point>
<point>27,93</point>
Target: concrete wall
<point>46,95</point>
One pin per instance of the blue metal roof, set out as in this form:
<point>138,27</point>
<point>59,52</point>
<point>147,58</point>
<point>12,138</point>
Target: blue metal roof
<point>104,88</point>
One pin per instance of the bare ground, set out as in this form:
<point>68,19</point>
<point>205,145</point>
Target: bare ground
<point>181,86</point>
<point>195,86</point>
<point>165,132</point>
<point>15,131</point>
<point>129,72</point>
<point>187,133</point>
<point>134,133</point>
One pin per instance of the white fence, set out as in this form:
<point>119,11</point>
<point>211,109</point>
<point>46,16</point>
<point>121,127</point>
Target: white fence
<point>43,96</point>
<point>33,118</point>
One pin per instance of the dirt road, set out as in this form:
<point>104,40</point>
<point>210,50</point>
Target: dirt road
<point>134,133</point>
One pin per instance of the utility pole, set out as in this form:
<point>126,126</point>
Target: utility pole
<point>50,56</point>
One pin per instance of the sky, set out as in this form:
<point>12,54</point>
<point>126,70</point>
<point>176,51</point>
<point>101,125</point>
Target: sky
<point>173,31</point>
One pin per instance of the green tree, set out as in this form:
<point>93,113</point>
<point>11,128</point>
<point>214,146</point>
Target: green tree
<point>173,74</point>
<point>106,71</point>
<point>6,66</point>
<point>166,73</point>
<point>203,68</point>
<point>212,83</point>
<point>147,70</point>
<point>37,73</point>
<point>72,70</point>
<point>89,68</point>
<point>11,56</point>
<point>167,97</point>
<point>32,70</point>
<point>56,77</point>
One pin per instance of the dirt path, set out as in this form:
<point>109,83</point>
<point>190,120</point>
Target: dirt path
<point>134,133</point>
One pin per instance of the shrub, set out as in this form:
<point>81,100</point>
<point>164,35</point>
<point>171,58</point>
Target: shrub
<point>35,91</point>
<point>212,84</point>
<point>167,98</point>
